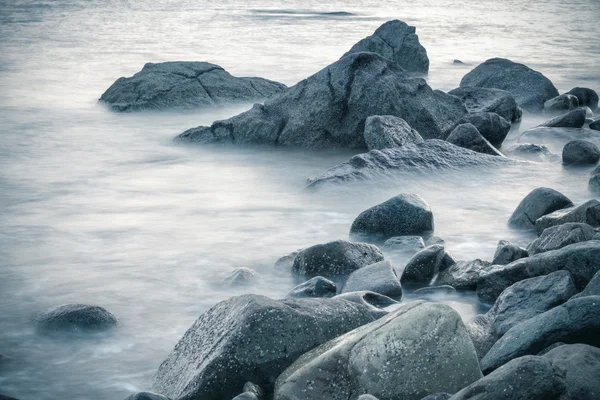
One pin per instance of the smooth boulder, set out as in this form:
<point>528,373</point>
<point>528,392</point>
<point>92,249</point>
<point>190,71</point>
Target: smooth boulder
<point>531,152</point>
<point>557,237</point>
<point>581,362</point>
<point>572,119</point>
<point>587,213</point>
<point>491,126</point>
<point>580,152</point>
<point>75,318</point>
<point>314,287</point>
<point>556,138</point>
<point>424,265</point>
<point>385,131</point>
<point>379,278</point>
<point>561,103</point>
<point>537,203</point>
<point>506,252</point>
<point>595,125</point>
<point>587,97</point>
<point>240,277</point>
<point>404,244</point>
<point>467,136</point>
<point>486,100</point>
<point>463,275</point>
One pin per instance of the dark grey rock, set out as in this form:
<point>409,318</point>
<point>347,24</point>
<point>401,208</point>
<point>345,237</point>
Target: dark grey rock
<point>530,88</point>
<point>423,266</point>
<point>314,287</point>
<point>253,338</point>
<point>482,333</point>
<point>556,138</point>
<point>467,136</point>
<point>537,203</point>
<point>580,152</point>
<point>486,100</point>
<point>458,62</point>
<point>239,277</point>
<point>595,125</point>
<point>379,278</point>
<point>572,119</point>
<point>3,397</point>
<point>531,152</point>
<point>576,321</point>
<point>76,317</point>
<point>587,97</point>
<point>404,214</point>
<point>582,365</point>
<point>562,102</point>
<point>335,260</point>
<point>525,378</point>
<point>385,131</point>
<point>396,41</point>
<point>404,244</point>
<point>374,302</point>
<point>184,85</point>
<point>506,252</point>
<point>286,262</point>
<point>557,237</point>
<point>366,359</point>
<point>434,290</point>
<point>329,109</point>
<point>437,396</point>
<point>491,126</point>
<point>592,288</point>
<point>594,184</point>
<point>587,213</point>
<point>147,396</point>
<point>463,275</point>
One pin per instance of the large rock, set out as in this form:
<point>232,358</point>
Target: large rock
<point>556,138</point>
<point>329,109</point>
<point>404,214</point>
<point>582,260</point>
<point>531,152</point>
<point>572,119</point>
<point>335,260</point>
<point>379,278</point>
<point>491,126</point>
<point>561,103</point>
<point>530,88</point>
<point>587,97</point>
<point>424,344</point>
<point>252,338</point>
<point>314,287</point>
<point>463,275</point>
<point>526,378</point>
<point>537,203</point>
<point>557,237</point>
<point>424,265</point>
<point>429,156</point>
<point>576,321</point>
<point>184,85</point>
<point>580,152</point>
<point>467,136</point>
<point>592,288</point>
<point>396,41</point>
<point>385,131</point>
<point>506,252</point>
<point>76,317</point>
<point>486,100</point>
<point>581,362</point>
<point>588,213</point>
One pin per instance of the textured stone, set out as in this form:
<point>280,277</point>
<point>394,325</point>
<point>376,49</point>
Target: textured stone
<point>537,203</point>
<point>385,131</point>
<point>486,100</point>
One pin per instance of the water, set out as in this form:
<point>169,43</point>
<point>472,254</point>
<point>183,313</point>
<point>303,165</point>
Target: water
<point>103,208</point>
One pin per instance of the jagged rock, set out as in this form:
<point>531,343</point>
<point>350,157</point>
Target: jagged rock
<point>253,338</point>
<point>385,131</point>
<point>593,286</point>
<point>329,108</point>
<point>467,136</point>
<point>314,287</point>
<point>530,88</point>
<point>491,126</point>
<point>562,102</point>
<point>587,97</point>
<point>404,214</point>
<point>572,119</point>
<point>379,278</point>
<point>404,244</point>
<point>423,266</point>
<point>463,275</point>
<point>396,41</point>
<point>506,252</point>
<point>76,318</point>
<point>587,213</point>
<point>556,138</point>
<point>537,203</point>
<point>242,276</point>
<point>375,302</point>
<point>486,100</point>
<point>557,237</point>
<point>146,396</point>
<point>581,362</point>
<point>580,152</point>
<point>183,85</point>
<point>531,152</point>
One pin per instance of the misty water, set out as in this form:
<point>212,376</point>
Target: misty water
<point>104,208</point>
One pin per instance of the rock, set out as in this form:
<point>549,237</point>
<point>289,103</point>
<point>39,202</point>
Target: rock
<point>404,244</point>
<point>329,109</point>
<point>434,290</point>
<point>592,288</point>
<point>588,112</point>
<point>76,317</point>
<point>556,138</point>
<point>379,278</point>
<point>3,397</point>
<point>491,126</point>
<point>586,97</point>
<point>335,260</point>
<point>532,152</point>
<point>530,88</point>
<point>463,275</point>
<point>437,396</point>
<point>582,260</point>
<point>251,337</point>
<point>435,240</point>
<point>431,155</point>
<point>314,287</point>
<point>595,125</point>
<point>385,131</point>
<point>251,392</point>
<point>286,262</point>
<point>375,302</point>
<point>572,119</point>
<point>580,152</point>
<point>366,359</point>
<point>557,237</point>
<point>458,62</point>
<point>147,396</point>
<point>582,365</point>
<point>485,100</point>
<point>404,214</point>
<point>467,136</point>
<point>396,41</point>
<point>183,85</point>
<point>577,320</point>
<point>562,102</point>
<point>246,396</point>
<point>239,277</point>
<point>506,252</point>
<point>588,213</point>
<point>482,333</point>
<point>367,397</point>
<point>525,378</point>
<point>423,266</point>
<point>537,203</point>
<point>594,184</point>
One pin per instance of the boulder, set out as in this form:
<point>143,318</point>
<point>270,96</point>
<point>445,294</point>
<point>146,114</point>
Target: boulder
<point>594,184</point>
<point>581,362</point>
<point>530,88</point>
<point>404,214</point>
<point>396,41</point>
<point>251,337</point>
<point>537,203</point>
<point>335,260</point>
<point>592,288</point>
<point>435,240</point>
<point>467,136</point>
<point>595,125</point>
<point>369,359</point>
<point>374,302</point>
<point>580,152</point>
<point>314,287</point>
<point>486,100</point>
<point>240,277</point>
<point>404,244</point>
<point>76,318</point>
<point>329,109</point>
<point>582,260</point>
<point>572,119</point>
<point>588,213</point>
<point>147,396</point>
<point>491,126</point>
<point>576,321</point>
<point>184,85</point>
<point>525,378</point>
<point>423,266</point>
<point>385,131</point>
<point>463,275</point>
<point>556,138</point>
<point>506,252</point>
<point>285,263</point>
<point>586,97</point>
<point>379,278</point>
<point>3,397</point>
<point>559,236</point>
<point>561,103</point>
<point>531,152</point>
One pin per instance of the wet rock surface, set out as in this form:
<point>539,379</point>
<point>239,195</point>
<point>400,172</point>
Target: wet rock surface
<point>385,131</point>
<point>486,100</point>
<point>76,318</point>
<point>537,203</point>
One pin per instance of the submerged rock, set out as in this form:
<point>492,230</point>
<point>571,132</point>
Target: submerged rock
<point>556,138</point>
<point>183,85</point>
<point>314,287</point>
<point>385,131</point>
<point>581,362</point>
<point>595,125</point>
<point>580,152</point>
<point>537,203</point>
<point>531,152</point>
<point>587,97</point>
<point>404,244</point>
<point>486,100</point>
<point>572,119</point>
<point>76,317</point>
<point>557,237</point>
<point>285,263</point>
<point>562,102</point>
<point>379,278</point>
<point>588,213</point>
<point>491,126</point>
<point>467,136</point>
<point>463,275</point>
<point>594,184</point>
<point>506,252</point>
<point>242,276</point>
<point>434,290</point>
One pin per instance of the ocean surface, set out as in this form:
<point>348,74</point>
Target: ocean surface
<point>104,208</point>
